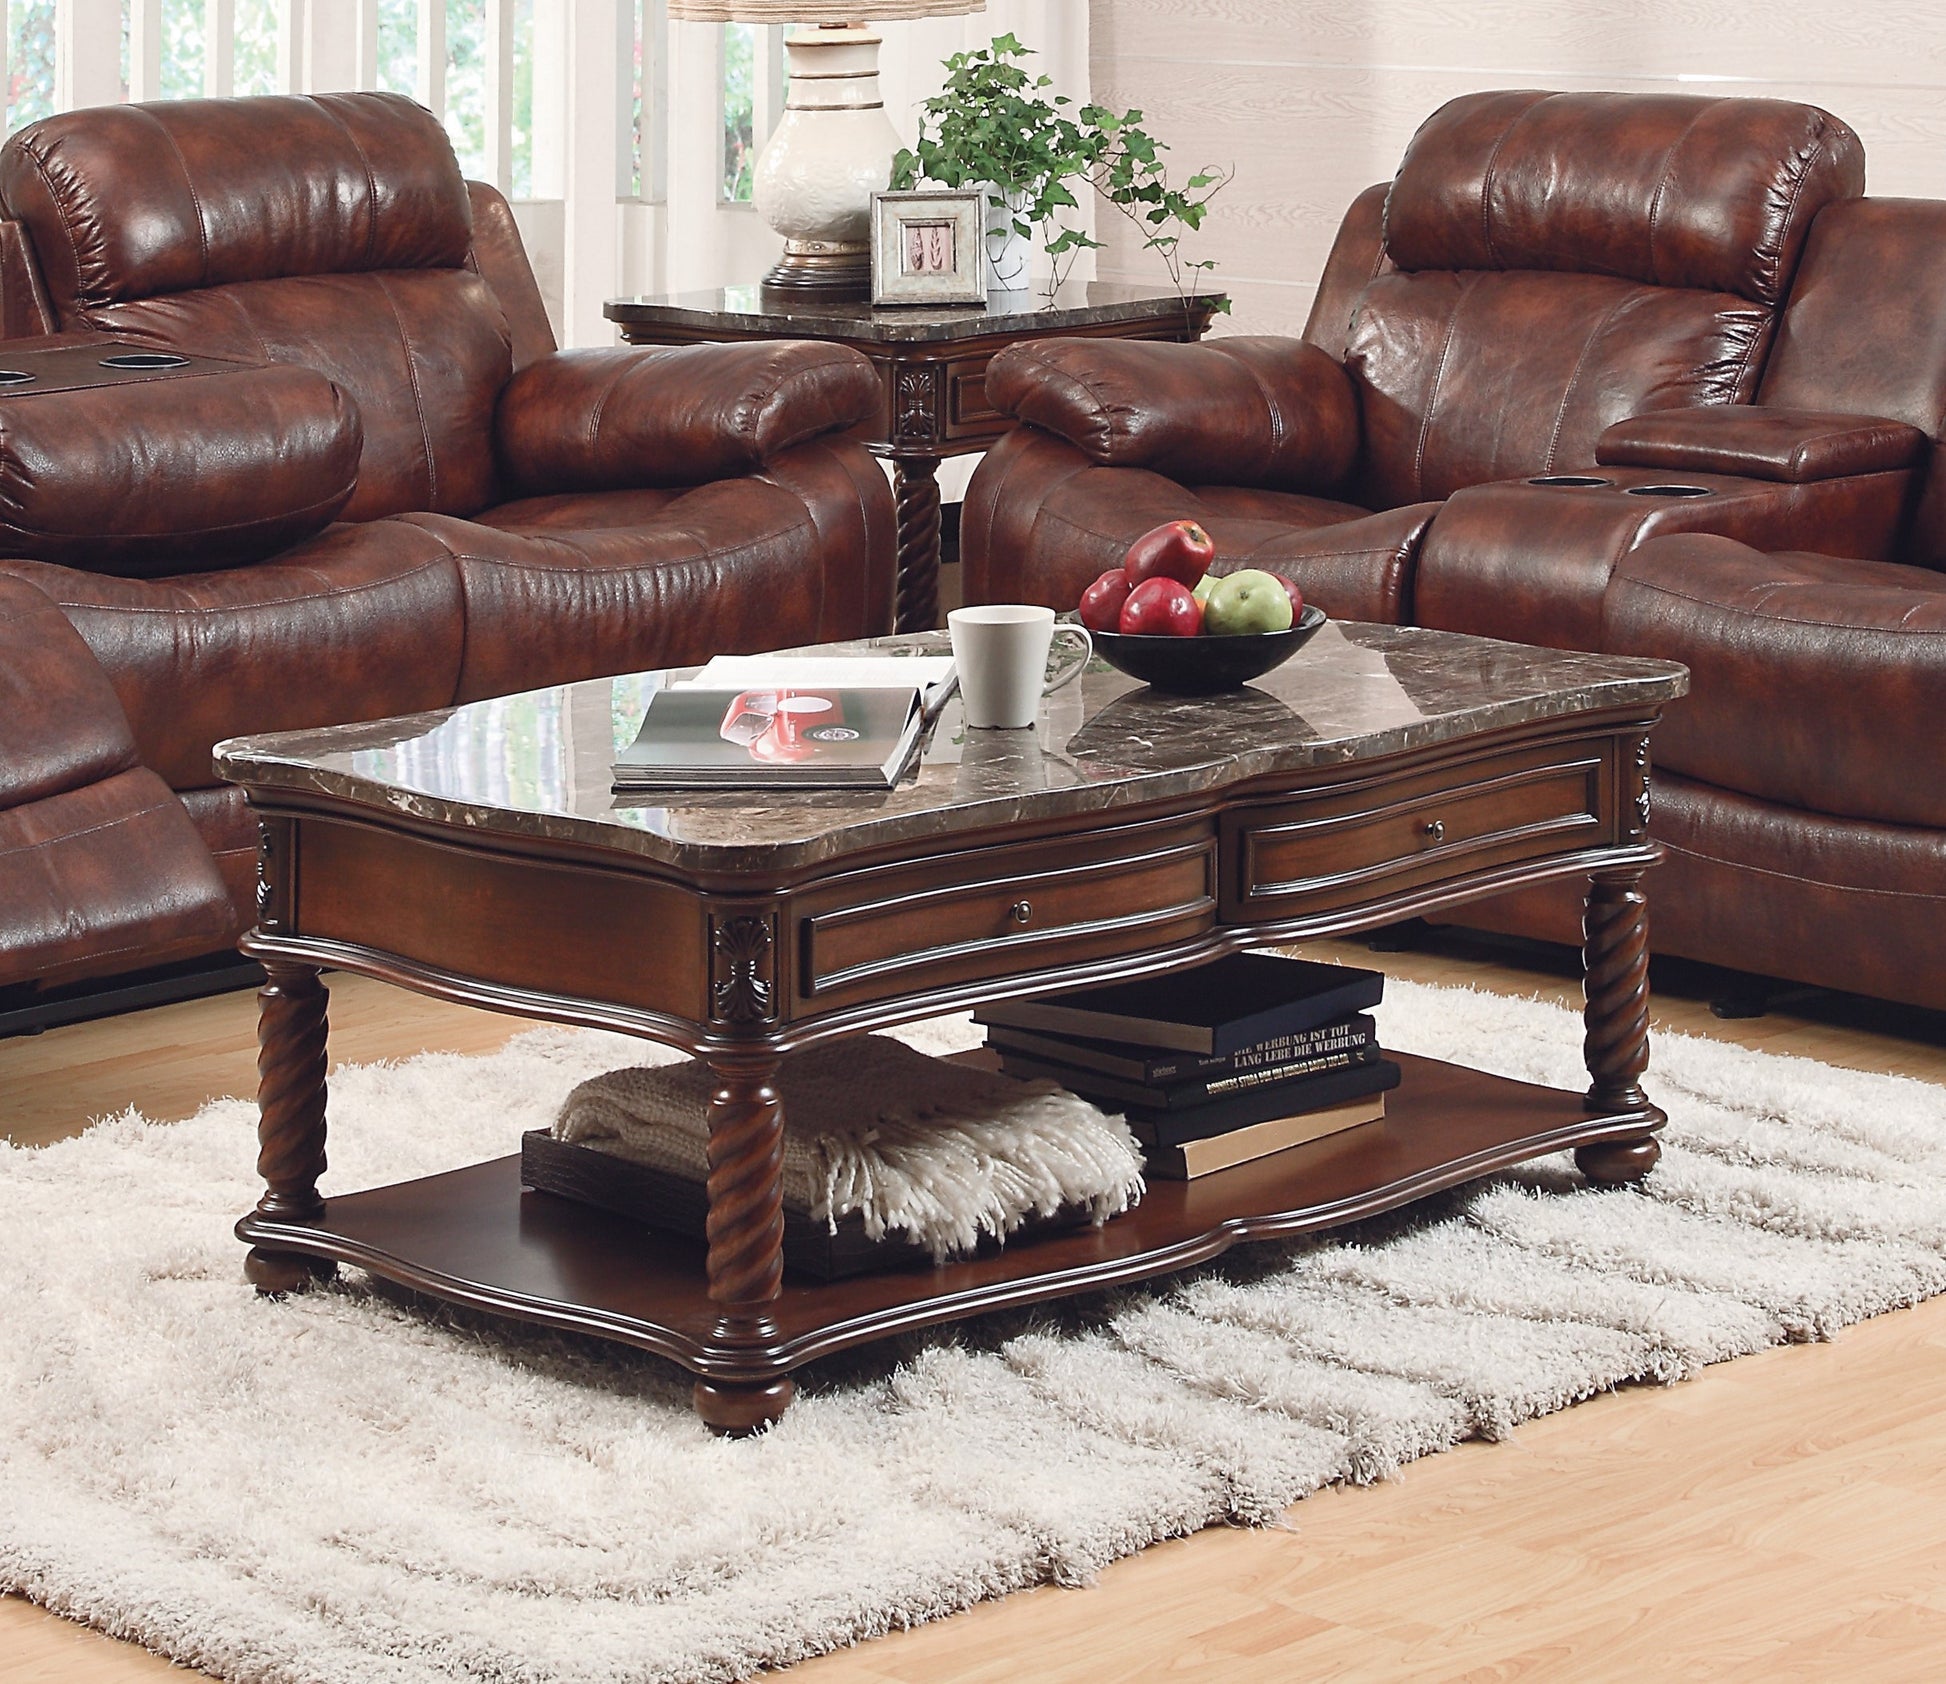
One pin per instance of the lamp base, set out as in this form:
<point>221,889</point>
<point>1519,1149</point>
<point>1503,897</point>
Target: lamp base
<point>832,269</point>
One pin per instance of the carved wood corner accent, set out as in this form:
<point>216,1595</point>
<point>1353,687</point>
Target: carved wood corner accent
<point>916,406</point>
<point>276,860</point>
<point>1639,823</point>
<point>743,968</point>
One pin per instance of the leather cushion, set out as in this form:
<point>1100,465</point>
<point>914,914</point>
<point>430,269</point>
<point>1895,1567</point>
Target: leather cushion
<point>621,417</point>
<point>1791,445</point>
<point>729,567</point>
<point>1815,681</point>
<point>60,724</point>
<point>223,463</point>
<point>357,623</point>
<point>1243,411</point>
<point>1469,378</point>
<point>108,877</point>
<point>1845,903</point>
<point>422,353</point>
<point>1671,190</point>
<point>129,201</point>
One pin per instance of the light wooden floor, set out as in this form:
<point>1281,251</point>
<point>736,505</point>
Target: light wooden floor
<point>1778,1518</point>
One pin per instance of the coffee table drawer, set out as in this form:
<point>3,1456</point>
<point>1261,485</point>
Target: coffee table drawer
<point>1003,911</point>
<point>1388,835</point>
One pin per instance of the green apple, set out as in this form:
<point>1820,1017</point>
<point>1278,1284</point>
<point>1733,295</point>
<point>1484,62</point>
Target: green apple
<point>1204,586</point>
<point>1245,602</point>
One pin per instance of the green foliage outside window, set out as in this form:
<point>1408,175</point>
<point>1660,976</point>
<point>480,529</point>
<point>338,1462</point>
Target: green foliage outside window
<point>739,110</point>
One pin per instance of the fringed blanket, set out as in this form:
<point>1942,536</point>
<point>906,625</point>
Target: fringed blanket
<point>935,1152</point>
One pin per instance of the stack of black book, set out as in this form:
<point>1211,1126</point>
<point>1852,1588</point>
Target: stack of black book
<point>1214,1067</point>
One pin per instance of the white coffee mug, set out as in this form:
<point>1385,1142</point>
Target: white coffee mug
<point>1001,653</point>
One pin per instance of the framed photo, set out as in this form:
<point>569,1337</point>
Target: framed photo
<point>929,247</point>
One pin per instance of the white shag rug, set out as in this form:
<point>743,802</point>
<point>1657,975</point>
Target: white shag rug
<point>343,1489</point>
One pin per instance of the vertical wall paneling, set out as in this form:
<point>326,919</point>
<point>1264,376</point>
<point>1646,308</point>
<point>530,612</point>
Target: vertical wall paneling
<point>219,48</point>
<point>329,32</point>
<point>144,49</point>
<point>85,74</point>
<point>429,47</point>
<point>367,44</point>
<point>589,255</point>
<point>500,93</point>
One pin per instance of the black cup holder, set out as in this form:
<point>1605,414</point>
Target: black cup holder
<point>15,377</point>
<point>1569,479</point>
<point>144,359</point>
<point>1668,491</point>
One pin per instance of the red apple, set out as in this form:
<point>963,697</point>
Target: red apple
<point>1161,608</point>
<point>1179,550</point>
<point>1101,602</point>
<point>1291,590</point>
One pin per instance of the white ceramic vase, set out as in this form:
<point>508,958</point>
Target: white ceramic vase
<point>1010,253</point>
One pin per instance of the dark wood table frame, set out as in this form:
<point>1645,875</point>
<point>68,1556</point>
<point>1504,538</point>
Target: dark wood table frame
<point>932,363</point>
<point>744,970</point>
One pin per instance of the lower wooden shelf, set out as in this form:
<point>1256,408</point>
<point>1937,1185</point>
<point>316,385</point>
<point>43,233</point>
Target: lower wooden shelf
<point>475,1236</point>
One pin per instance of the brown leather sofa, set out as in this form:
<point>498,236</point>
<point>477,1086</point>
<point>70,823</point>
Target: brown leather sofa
<point>1636,373</point>
<point>372,485</point>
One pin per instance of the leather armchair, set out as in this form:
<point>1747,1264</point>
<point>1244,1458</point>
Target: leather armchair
<point>1543,267</point>
<point>1719,439</point>
<point>375,486</point>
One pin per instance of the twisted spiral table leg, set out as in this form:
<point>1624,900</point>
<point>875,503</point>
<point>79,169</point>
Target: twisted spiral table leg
<point>291,1031</point>
<point>745,1227</point>
<point>917,487</point>
<point>1615,980</point>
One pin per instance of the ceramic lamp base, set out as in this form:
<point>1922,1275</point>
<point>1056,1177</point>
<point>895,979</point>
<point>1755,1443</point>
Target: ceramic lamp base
<point>831,150</point>
<point>828,269</point>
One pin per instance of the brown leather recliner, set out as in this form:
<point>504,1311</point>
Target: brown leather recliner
<point>376,486</point>
<point>1543,267</point>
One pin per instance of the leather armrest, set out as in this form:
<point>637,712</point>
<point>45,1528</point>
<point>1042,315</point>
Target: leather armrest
<point>1793,446</point>
<point>1265,412</point>
<point>206,463</point>
<point>632,416</point>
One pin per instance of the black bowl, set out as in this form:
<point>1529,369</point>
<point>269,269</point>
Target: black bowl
<point>1202,666</point>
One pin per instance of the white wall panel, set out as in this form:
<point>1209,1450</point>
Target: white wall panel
<point>1315,101</point>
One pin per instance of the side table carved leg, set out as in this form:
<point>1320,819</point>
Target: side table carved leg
<point>1615,978</point>
<point>291,1030</point>
<point>746,1232</point>
<point>917,487</point>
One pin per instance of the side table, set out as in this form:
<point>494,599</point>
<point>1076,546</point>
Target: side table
<point>932,362</point>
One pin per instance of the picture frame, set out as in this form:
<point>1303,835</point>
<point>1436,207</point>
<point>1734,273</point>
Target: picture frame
<point>929,246</point>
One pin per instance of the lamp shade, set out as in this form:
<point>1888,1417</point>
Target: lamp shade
<point>818,11</point>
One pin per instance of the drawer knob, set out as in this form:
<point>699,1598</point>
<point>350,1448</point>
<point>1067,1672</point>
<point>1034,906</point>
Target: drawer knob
<point>1021,911</point>
<point>1436,829</point>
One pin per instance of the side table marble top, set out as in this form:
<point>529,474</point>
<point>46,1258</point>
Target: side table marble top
<point>931,363</point>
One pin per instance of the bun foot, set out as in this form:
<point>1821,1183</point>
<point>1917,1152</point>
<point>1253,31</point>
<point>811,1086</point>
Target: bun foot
<point>274,1273</point>
<point>738,1411</point>
<point>1614,1163</point>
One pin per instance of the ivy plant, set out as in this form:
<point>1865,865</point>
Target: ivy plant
<point>995,124</point>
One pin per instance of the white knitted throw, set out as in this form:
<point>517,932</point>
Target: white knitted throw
<point>938,1153</point>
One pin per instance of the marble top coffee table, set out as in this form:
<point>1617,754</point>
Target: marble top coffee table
<point>478,855</point>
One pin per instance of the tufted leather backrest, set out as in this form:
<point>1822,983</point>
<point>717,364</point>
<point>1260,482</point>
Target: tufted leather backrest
<point>1560,262</point>
<point>332,230</point>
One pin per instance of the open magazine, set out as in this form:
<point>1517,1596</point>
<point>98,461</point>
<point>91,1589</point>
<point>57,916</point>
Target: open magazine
<point>787,722</point>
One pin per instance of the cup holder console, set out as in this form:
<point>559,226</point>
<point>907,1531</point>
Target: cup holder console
<point>1668,491</point>
<point>144,359</point>
<point>1569,479</point>
<point>15,377</point>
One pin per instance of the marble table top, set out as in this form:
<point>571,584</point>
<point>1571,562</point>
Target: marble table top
<point>537,764</point>
<point>752,309</point>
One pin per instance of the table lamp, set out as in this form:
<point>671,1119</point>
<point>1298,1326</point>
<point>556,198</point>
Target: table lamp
<point>832,149</point>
